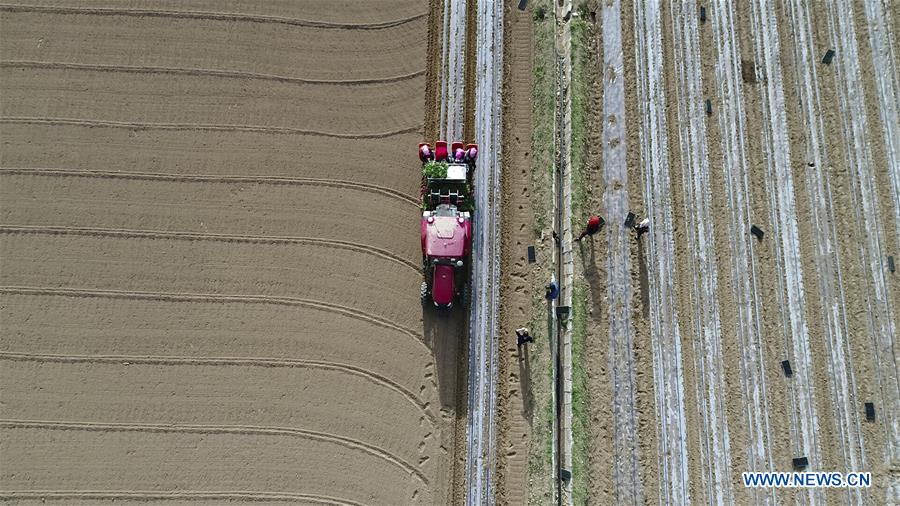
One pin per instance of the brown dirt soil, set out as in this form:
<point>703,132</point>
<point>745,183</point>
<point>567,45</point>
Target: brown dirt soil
<point>591,263</point>
<point>515,401</point>
<point>209,280</point>
<point>643,352</point>
<point>850,237</point>
<point>334,11</point>
<point>772,315</point>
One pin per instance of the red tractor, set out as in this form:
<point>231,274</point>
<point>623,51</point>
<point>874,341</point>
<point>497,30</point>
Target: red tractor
<point>446,220</point>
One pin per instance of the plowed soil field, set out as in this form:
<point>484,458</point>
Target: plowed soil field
<point>209,275</point>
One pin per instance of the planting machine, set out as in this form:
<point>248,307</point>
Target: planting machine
<point>446,225</point>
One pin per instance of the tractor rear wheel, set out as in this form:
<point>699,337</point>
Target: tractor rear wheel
<point>423,293</point>
<point>466,296</point>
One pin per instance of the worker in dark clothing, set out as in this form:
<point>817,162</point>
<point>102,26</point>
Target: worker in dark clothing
<point>551,290</point>
<point>593,226</point>
<point>523,337</point>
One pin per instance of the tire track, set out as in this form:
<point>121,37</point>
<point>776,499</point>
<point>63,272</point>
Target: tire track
<point>841,377</point>
<point>881,323</point>
<point>453,70</point>
<point>668,375</point>
<point>193,236</point>
<point>137,126</point>
<point>215,298</point>
<point>743,263</point>
<point>252,430</point>
<point>715,444</point>
<point>372,376</point>
<point>133,69</point>
<point>186,495</point>
<point>618,263</point>
<point>219,16</point>
<point>176,177</point>
<point>780,187</point>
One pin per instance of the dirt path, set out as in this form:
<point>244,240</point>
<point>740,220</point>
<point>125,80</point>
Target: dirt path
<point>515,402</point>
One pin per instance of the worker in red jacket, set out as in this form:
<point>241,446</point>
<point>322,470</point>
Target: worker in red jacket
<point>593,226</point>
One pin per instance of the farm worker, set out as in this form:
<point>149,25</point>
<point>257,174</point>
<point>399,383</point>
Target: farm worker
<point>523,337</point>
<point>551,290</point>
<point>593,226</point>
<point>643,226</point>
<point>425,153</point>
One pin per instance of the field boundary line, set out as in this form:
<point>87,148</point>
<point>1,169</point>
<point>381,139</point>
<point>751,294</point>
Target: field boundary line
<point>213,127</point>
<point>203,72</point>
<point>223,361</point>
<point>208,297</point>
<point>194,236</point>
<point>212,15</point>
<point>250,430</point>
<point>182,177</point>
<point>152,495</point>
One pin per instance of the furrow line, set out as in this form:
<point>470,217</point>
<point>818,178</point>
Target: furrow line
<point>884,59</point>
<point>842,381</point>
<point>178,177</point>
<point>716,455</point>
<point>223,361</point>
<point>202,72</point>
<point>797,434</point>
<point>215,298</point>
<point>193,236</point>
<point>481,458</point>
<point>253,430</point>
<point>780,186</point>
<point>137,126</point>
<point>665,334</point>
<point>214,15</point>
<point>743,268</point>
<point>161,495</point>
<point>880,320</point>
<point>618,264</point>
